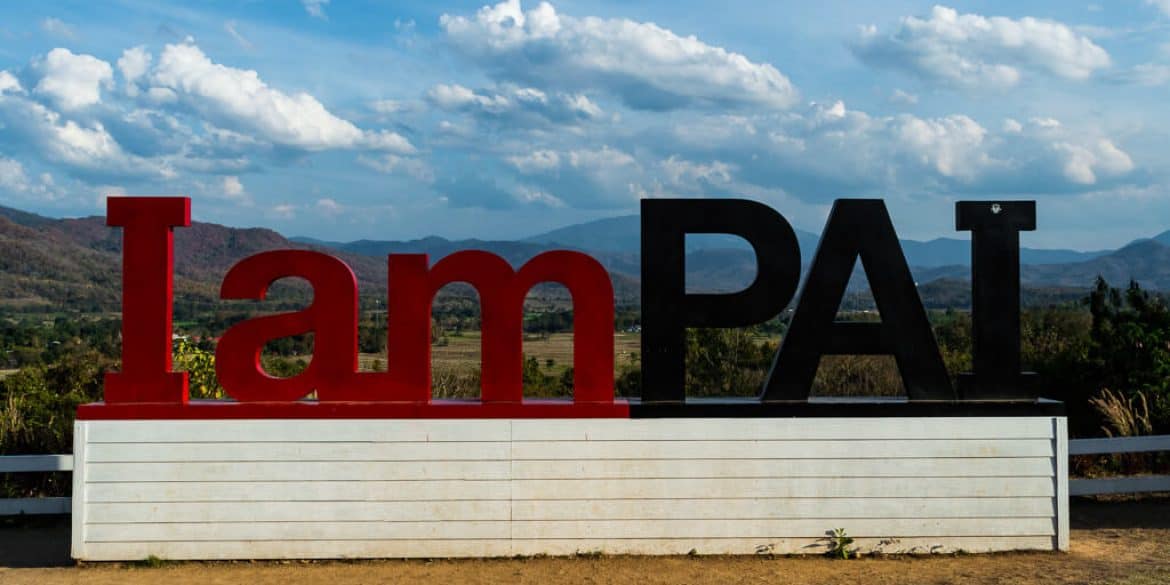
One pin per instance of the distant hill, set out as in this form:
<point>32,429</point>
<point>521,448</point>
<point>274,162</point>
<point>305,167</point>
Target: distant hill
<point>623,234</point>
<point>75,263</point>
<point>1144,261</point>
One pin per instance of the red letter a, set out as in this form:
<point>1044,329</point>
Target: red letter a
<point>332,318</point>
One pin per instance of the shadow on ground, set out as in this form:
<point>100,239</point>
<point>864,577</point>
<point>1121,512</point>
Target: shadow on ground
<point>1146,511</point>
<point>34,541</point>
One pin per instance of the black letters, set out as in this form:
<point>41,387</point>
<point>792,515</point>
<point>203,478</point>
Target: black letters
<point>859,227</point>
<point>995,297</point>
<point>666,308</point>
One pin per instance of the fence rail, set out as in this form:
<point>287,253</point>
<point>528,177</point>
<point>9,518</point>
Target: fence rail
<point>1119,485</point>
<point>33,464</point>
<point>1077,487</point>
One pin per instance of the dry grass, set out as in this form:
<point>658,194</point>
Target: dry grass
<point>1124,417</point>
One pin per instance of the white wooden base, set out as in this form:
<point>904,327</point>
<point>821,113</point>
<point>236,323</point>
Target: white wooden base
<point>244,489</point>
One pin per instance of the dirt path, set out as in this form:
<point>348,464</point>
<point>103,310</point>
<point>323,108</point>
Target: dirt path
<point>1112,542</point>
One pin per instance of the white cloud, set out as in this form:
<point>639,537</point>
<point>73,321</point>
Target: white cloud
<point>328,207</point>
<point>73,81</point>
<point>133,64</point>
<point>600,160</point>
<point>647,66</point>
<point>282,211</point>
<point>231,28</point>
<point>386,140</point>
<point>9,83</point>
<point>969,50</point>
<point>387,107</point>
<point>234,189</point>
<point>830,150</point>
<point>903,97</point>
<point>1083,164</point>
<point>57,27</point>
<point>512,103</point>
<point>685,174</point>
<point>529,195</point>
<point>239,98</point>
<point>14,180</point>
<point>1045,123</point>
<point>315,8</point>
<point>1163,5</point>
<point>537,161</point>
<point>392,164</point>
<point>953,145</point>
<point>87,147</point>
<point>1146,74</point>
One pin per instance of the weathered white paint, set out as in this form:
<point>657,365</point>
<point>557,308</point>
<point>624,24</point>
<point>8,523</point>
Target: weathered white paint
<point>436,488</point>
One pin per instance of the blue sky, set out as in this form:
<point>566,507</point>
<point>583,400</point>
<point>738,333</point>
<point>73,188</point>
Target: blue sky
<point>394,120</point>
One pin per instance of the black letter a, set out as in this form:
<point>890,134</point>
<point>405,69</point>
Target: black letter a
<point>859,227</point>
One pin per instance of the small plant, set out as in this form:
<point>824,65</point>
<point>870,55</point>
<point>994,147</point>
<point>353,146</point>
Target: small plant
<point>839,543</point>
<point>151,562</point>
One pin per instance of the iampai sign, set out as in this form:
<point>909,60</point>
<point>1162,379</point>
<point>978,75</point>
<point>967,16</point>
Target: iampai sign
<point>373,467</point>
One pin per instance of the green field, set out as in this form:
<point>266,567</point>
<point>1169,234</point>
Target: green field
<point>462,352</point>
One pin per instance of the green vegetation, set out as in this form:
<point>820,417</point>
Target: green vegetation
<point>839,547</point>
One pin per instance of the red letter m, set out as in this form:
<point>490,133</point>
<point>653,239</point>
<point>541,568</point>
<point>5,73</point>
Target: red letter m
<point>412,289</point>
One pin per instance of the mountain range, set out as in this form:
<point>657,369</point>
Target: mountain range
<point>75,263</point>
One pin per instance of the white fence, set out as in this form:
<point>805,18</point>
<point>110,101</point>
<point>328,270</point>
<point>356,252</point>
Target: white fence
<point>1119,485</point>
<point>1077,487</point>
<point>35,463</point>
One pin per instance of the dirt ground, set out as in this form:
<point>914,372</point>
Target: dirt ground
<point>1123,541</point>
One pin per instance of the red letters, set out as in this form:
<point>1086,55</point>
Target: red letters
<point>147,281</point>
<point>412,288</point>
<point>146,388</point>
<point>332,318</point>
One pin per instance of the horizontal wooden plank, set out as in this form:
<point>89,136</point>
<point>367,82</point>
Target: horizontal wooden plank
<point>787,528</point>
<point>297,451</point>
<point>19,506</point>
<point>288,531</point>
<point>793,429</point>
<point>571,509</point>
<point>583,469</point>
<point>748,546</point>
<point>783,508</point>
<point>569,529</point>
<point>280,431</point>
<point>1119,485</point>
<point>416,511</point>
<point>127,551</point>
<point>302,549</point>
<point>601,489</point>
<point>298,471</point>
<point>300,491</point>
<point>711,488</point>
<point>1119,445</point>
<point>747,468</point>
<point>852,449</point>
<point>283,431</point>
<point>32,463</point>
